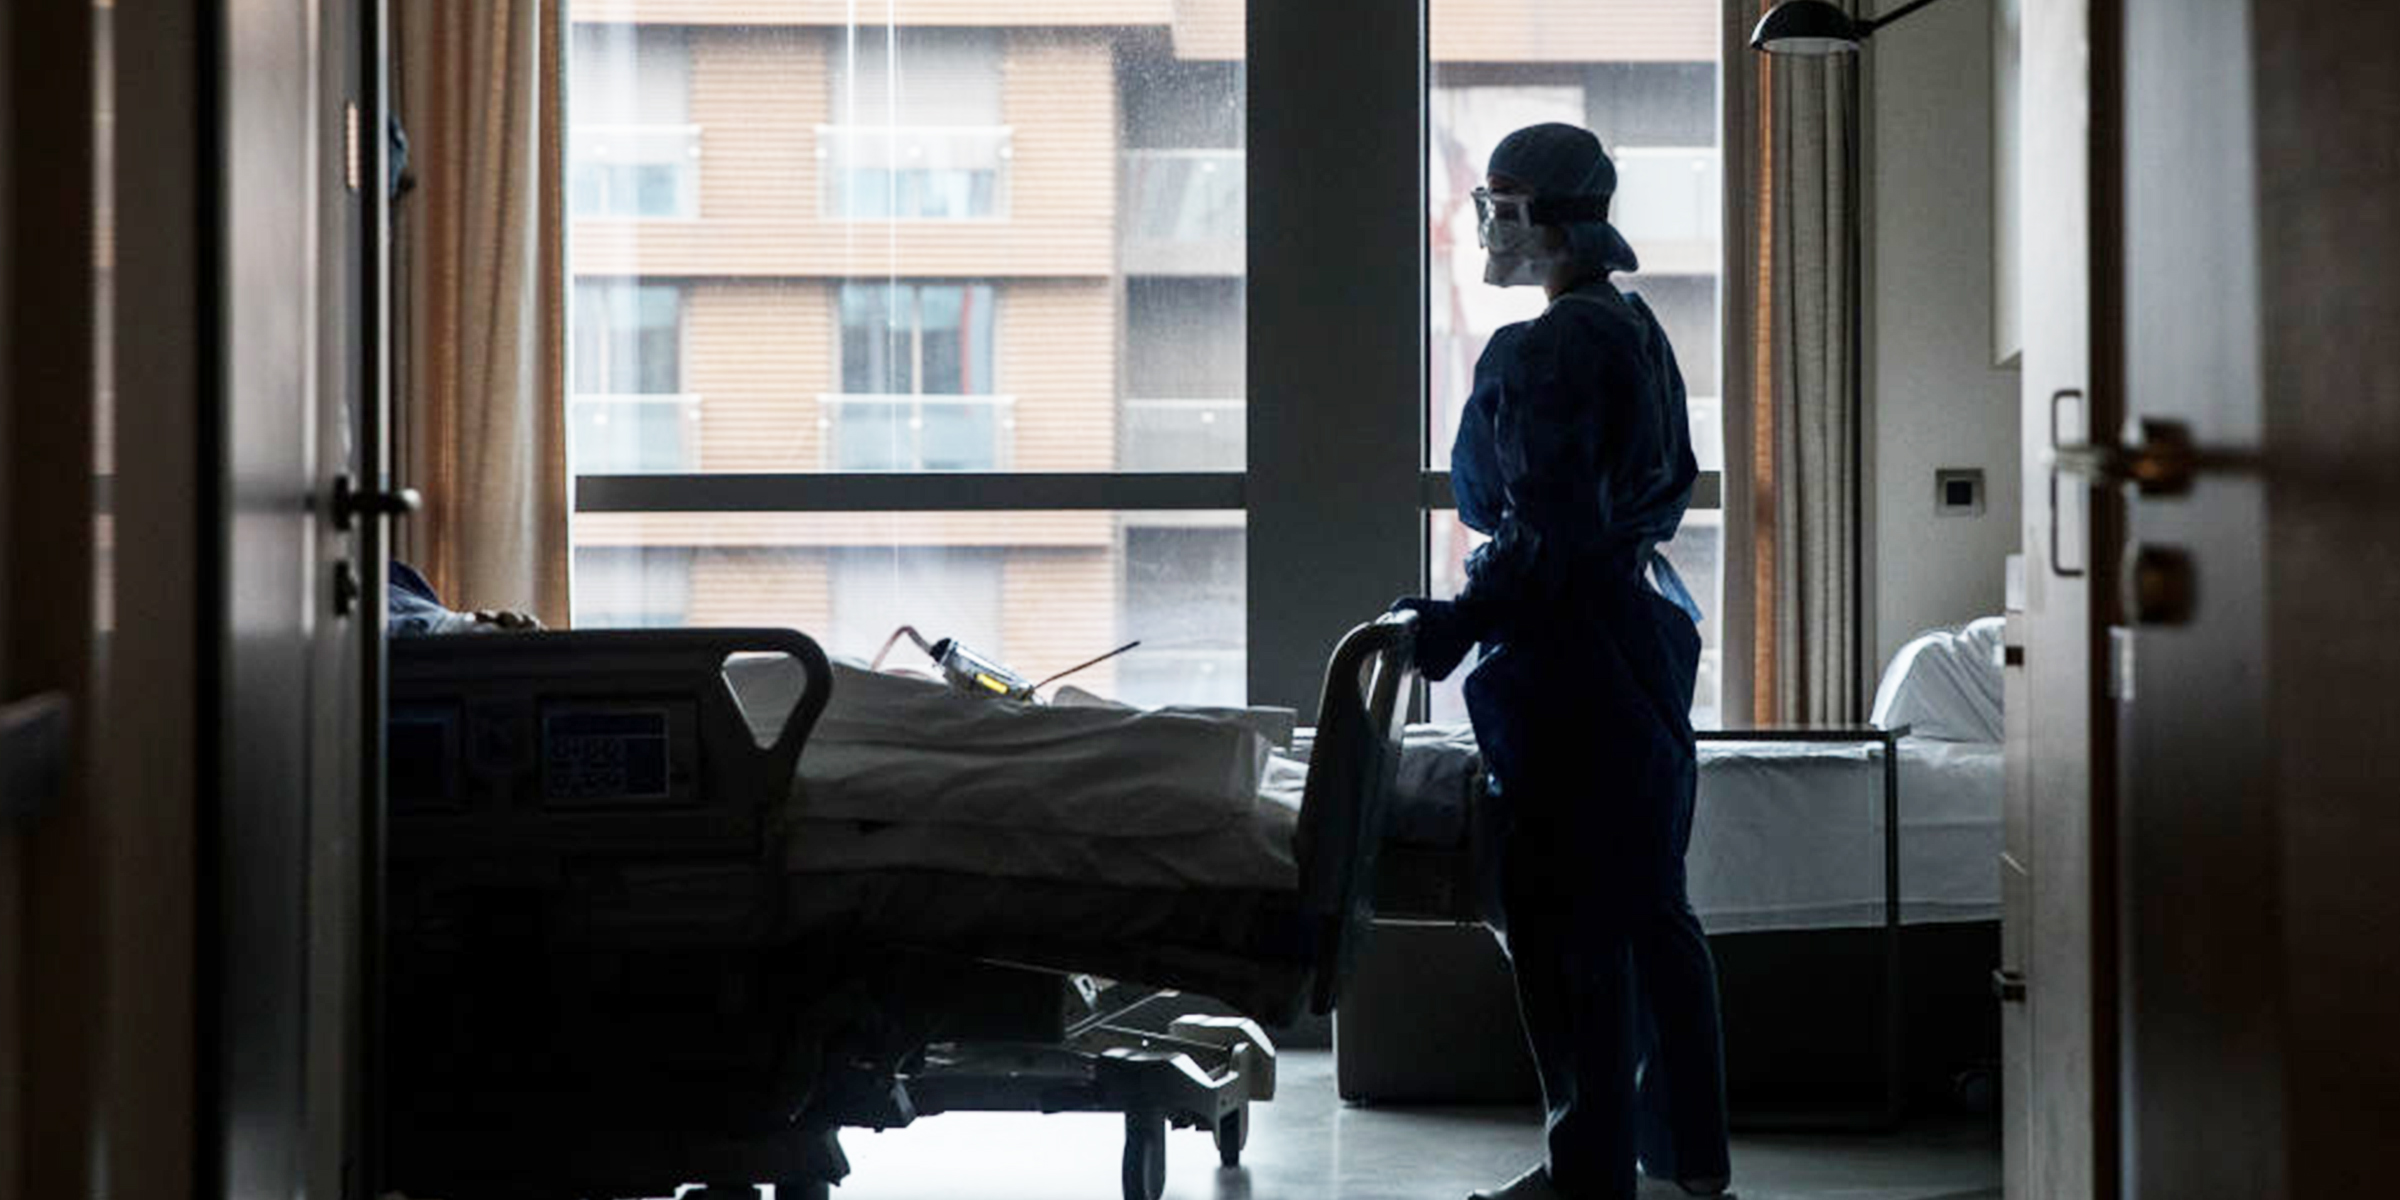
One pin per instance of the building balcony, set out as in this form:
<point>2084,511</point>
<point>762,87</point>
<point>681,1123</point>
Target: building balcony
<point>918,172</point>
<point>1670,205</point>
<point>627,434</point>
<point>1183,213</point>
<point>634,171</point>
<point>926,432</point>
<point>1182,435</point>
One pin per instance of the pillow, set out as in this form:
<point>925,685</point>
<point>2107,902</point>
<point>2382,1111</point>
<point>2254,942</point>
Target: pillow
<point>1945,685</point>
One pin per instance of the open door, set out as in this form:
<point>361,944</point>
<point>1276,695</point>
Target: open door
<point>2057,975</point>
<point>288,949</point>
<point>2243,429</point>
<point>2262,388</point>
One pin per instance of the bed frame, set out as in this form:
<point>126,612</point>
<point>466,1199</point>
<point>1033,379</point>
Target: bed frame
<point>1825,1029</point>
<point>550,1030</point>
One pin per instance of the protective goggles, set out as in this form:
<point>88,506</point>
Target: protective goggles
<point>1504,220</point>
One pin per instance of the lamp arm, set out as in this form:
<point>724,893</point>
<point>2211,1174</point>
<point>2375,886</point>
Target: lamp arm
<point>1869,25</point>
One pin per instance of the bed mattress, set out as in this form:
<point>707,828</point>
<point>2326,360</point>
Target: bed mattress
<point>903,777</point>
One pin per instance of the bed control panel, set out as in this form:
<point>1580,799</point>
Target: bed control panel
<point>616,755</point>
<point>533,752</point>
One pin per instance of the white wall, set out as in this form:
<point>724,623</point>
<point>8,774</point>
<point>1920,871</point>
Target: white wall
<point>1935,399</point>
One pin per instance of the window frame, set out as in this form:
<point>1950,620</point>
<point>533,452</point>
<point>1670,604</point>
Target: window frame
<point>1336,474</point>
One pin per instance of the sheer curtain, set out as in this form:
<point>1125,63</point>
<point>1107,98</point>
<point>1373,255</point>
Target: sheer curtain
<point>1793,356</point>
<point>482,313</point>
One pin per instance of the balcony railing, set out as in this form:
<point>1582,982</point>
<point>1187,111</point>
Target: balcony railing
<point>1670,205</point>
<point>1183,212</point>
<point>628,434</point>
<point>915,172</point>
<point>1182,435</point>
<point>634,170</point>
<point>931,432</point>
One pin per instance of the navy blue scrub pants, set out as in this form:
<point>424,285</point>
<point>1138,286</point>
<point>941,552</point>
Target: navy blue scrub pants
<point>1614,979</point>
<point>1620,1010</point>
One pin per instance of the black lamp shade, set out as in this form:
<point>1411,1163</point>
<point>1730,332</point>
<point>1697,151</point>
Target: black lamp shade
<point>1807,27</point>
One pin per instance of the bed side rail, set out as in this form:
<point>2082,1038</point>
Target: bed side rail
<point>516,750</point>
<point>1353,770</point>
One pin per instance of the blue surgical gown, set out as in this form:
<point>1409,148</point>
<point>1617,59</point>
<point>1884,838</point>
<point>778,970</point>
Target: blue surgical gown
<point>1575,456</point>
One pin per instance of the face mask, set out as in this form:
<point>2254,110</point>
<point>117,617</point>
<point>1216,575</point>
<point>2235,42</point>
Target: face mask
<point>1509,268</point>
<point>1515,255</point>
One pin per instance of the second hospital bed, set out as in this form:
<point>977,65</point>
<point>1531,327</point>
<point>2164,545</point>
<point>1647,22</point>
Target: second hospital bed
<point>626,950</point>
<point>1848,987</point>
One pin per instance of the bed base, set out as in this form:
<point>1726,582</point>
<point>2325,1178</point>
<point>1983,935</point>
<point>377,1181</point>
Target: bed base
<point>547,1036</point>
<point>1431,885</point>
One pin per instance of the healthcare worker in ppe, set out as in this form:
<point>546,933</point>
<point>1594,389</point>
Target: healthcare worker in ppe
<point>1574,455</point>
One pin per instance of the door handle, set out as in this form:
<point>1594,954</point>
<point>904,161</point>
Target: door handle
<point>2157,457</point>
<point>351,502</point>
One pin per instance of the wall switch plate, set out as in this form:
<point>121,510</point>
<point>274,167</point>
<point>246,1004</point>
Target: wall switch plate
<point>1958,492</point>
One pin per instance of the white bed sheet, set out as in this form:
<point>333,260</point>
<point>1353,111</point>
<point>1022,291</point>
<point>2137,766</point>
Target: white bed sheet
<point>1785,835</point>
<point>902,775</point>
<point>1790,836</point>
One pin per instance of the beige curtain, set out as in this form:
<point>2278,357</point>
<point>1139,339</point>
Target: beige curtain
<point>481,263</point>
<point>1793,281</point>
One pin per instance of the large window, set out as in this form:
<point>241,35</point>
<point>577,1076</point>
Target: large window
<point>955,321</point>
<point>900,313</point>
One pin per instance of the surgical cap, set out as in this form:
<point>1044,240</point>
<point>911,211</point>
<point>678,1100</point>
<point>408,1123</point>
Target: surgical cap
<point>1558,161</point>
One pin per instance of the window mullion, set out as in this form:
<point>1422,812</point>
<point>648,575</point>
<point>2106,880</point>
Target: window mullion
<point>1336,329</point>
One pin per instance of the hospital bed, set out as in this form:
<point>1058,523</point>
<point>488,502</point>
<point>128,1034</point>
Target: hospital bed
<point>1847,879</point>
<point>625,951</point>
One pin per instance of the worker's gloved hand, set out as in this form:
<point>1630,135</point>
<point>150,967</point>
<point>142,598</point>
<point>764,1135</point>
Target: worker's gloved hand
<point>1443,637</point>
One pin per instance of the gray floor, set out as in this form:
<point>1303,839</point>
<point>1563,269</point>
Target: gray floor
<point>1308,1144</point>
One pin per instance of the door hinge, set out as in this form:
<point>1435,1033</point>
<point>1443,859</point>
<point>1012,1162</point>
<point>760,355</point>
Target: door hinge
<point>2120,664</point>
<point>353,149</point>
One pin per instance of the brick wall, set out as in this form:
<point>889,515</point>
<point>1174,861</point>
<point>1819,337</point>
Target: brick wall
<point>758,354</point>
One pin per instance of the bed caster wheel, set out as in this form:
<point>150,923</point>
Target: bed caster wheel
<point>1233,1132</point>
<point>1145,1156</point>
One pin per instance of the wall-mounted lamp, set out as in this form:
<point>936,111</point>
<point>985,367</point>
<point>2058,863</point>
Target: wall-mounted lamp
<point>1815,27</point>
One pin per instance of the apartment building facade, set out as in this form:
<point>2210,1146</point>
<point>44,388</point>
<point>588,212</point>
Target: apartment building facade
<point>993,236</point>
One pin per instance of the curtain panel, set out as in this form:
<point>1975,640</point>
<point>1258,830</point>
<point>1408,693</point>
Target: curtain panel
<point>1793,354</point>
<point>480,254</point>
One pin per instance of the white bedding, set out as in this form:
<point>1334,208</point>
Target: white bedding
<point>1785,835</point>
<point>902,775</point>
<point>1790,836</point>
